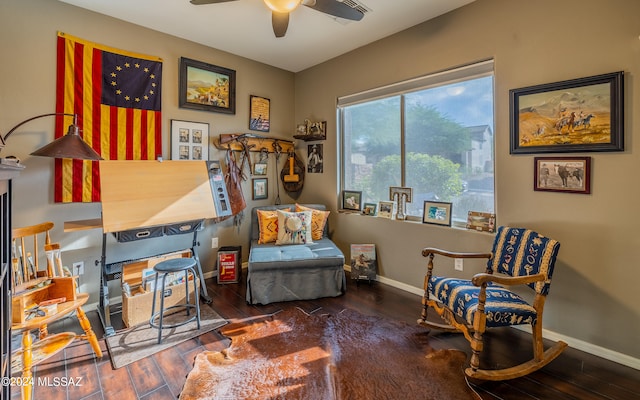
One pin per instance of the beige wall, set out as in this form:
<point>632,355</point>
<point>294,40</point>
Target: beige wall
<point>27,88</point>
<point>593,295</point>
<point>592,299</point>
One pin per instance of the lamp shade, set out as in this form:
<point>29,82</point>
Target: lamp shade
<point>70,145</point>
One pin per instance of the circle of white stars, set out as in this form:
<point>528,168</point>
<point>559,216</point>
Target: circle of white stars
<point>127,97</point>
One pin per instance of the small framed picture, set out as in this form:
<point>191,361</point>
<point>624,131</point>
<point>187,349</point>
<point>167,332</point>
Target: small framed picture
<point>351,200</point>
<point>260,168</point>
<point>562,174</point>
<point>369,209</point>
<point>386,209</point>
<point>481,221</point>
<point>437,212</point>
<point>260,189</point>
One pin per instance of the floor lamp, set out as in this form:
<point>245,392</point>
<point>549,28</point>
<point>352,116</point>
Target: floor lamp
<point>70,145</point>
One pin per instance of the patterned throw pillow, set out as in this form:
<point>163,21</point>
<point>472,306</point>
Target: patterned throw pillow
<point>318,220</point>
<point>294,227</point>
<point>268,226</point>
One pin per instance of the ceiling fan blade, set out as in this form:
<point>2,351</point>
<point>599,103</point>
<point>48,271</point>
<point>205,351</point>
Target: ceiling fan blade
<point>337,9</point>
<point>280,22</point>
<point>201,2</point>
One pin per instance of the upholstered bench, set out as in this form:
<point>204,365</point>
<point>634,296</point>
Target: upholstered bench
<point>300,271</point>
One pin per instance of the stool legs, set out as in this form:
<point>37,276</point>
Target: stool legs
<point>187,305</point>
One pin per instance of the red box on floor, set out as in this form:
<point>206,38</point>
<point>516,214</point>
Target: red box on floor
<point>229,262</point>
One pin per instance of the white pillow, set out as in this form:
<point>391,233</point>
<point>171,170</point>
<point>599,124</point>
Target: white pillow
<point>294,227</point>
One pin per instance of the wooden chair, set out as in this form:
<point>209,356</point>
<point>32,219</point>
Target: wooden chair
<point>519,257</point>
<point>33,288</point>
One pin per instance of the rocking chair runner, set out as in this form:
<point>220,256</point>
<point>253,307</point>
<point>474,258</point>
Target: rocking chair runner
<point>520,257</point>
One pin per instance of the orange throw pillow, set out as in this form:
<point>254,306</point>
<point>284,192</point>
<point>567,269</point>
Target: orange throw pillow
<point>318,220</point>
<point>268,224</point>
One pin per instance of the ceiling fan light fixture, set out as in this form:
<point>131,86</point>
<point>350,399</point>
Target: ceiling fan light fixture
<point>282,6</point>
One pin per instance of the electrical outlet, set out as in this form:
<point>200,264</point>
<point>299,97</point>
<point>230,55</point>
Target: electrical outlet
<point>214,243</point>
<point>459,264</point>
<point>78,268</point>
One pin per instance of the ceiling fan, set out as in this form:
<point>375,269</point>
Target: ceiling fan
<point>280,10</point>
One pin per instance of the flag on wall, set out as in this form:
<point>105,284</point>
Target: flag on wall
<point>116,95</point>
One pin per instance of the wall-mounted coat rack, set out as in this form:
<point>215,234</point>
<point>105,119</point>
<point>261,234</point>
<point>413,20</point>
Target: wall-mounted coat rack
<point>252,142</point>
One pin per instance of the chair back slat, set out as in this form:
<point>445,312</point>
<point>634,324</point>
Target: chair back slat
<point>521,252</point>
<point>28,250</point>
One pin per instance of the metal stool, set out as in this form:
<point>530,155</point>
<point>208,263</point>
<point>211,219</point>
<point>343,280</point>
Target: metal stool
<point>166,267</point>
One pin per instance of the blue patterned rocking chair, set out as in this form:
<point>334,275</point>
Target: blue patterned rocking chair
<point>519,257</point>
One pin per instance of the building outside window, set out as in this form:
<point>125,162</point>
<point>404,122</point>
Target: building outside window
<point>434,134</point>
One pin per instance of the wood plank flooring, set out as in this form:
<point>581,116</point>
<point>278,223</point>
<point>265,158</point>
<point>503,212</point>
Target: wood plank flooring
<point>573,375</point>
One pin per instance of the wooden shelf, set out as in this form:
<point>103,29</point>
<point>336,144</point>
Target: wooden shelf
<point>309,138</point>
<point>255,142</point>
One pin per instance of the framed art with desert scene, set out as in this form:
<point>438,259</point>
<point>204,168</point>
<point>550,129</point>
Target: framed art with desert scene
<point>577,115</point>
<point>206,87</point>
<point>562,174</point>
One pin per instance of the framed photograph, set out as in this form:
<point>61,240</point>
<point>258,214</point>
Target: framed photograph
<point>577,115</point>
<point>314,158</point>
<point>206,87</point>
<point>386,209</point>
<point>189,140</point>
<point>260,188</point>
<point>259,113</point>
<point>481,221</point>
<point>351,200</point>
<point>260,168</point>
<point>437,212</point>
<point>562,174</point>
<point>369,209</point>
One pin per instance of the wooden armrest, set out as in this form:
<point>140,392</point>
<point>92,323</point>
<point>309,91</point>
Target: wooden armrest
<point>452,254</point>
<point>479,279</point>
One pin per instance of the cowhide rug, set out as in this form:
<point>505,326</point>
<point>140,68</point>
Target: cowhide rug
<point>294,355</point>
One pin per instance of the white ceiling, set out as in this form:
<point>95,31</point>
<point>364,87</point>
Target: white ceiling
<point>243,27</point>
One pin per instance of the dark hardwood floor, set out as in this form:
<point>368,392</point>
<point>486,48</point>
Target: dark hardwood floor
<point>574,375</point>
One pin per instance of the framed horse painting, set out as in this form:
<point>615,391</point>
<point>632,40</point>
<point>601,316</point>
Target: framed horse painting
<point>562,174</point>
<point>578,115</point>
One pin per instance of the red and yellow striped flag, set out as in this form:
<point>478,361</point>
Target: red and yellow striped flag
<point>116,95</point>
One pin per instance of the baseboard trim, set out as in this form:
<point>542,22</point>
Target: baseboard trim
<point>578,344</point>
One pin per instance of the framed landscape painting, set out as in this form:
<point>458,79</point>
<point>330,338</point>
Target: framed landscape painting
<point>577,115</point>
<point>207,87</point>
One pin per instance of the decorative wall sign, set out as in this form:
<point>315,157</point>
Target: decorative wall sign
<point>207,87</point>
<point>189,140</point>
<point>259,113</point>
<point>577,115</point>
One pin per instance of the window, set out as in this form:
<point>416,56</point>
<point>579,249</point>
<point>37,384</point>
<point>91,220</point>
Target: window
<point>433,134</point>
